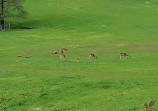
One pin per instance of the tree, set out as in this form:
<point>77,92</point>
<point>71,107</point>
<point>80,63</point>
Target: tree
<point>1,15</point>
<point>11,9</point>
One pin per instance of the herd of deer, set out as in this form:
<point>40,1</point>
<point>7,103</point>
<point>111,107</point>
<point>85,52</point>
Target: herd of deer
<point>91,55</point>
<point>63,56</point>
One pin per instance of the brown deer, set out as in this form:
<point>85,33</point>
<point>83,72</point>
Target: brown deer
<point>20,56</point>
<point>91,56</point>
<point>62,56</point>
<point>60,3</point>
<point>124,55</point>
<point>63,50</point>
<point>28,57</point>
<point>55,52</point>
<point>77,60</point>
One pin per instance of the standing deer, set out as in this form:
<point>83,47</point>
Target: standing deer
<point>91,56</point>
<point>60,3</point>
<point>124,55</point>
<point>62,56</point>
<point>63,50</point>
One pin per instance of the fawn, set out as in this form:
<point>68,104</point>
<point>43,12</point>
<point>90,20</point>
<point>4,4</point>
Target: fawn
<point>91,56</point>
<point>28,57</point>
<point>62,56</point>
<point>20,56</point>
<point>124,55</point>
<point>63,50</point>
<point>77,60</point>
<point>55,52</point>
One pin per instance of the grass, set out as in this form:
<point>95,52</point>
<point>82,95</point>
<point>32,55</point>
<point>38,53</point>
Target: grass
<point>51,92</point>
<point>106,28</point>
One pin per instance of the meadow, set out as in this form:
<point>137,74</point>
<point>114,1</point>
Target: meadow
<point>103,27</point>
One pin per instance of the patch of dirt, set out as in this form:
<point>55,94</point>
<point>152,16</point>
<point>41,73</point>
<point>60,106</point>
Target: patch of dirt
<point>120,45</point>
<point>85,46</point>
<point>138,45</point>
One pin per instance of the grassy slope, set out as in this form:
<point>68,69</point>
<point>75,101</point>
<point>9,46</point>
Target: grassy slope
<point>104,28</point>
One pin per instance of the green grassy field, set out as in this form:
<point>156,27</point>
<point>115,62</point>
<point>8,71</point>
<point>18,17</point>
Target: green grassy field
<point>103,27</point>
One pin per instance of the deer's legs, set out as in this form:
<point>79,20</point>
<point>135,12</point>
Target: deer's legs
<point>62,56</point>
<point>89,58</point>
<point>120,57</point>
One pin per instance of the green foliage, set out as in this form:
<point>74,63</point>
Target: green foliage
<point>14,9</point>
<point>150,106</point>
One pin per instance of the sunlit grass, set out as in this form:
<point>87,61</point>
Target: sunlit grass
<point>105,28</point>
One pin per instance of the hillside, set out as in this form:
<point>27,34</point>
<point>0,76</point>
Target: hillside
<point>103,27</point>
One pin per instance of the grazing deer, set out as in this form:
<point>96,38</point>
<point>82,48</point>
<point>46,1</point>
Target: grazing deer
<point>123,55</point>
<point>55,52</point>
<point>63,50</point>
<point>91,56</point>
<point>60,3</point>
<point>77,60</point>
<point>28,57</point>
<point>62,56</point>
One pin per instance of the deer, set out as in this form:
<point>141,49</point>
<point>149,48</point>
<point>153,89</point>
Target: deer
<point>55,52</point>
<point>63,50</point>
<point>20,56</point>
<point>124,55</point>
<point>60,3</point>
<point>77,60</point>
<point>62,56</point>
<point>28,57</point>
<point>91,56</point>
